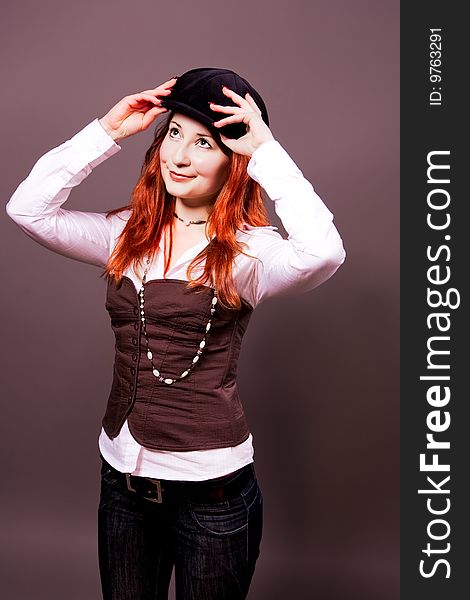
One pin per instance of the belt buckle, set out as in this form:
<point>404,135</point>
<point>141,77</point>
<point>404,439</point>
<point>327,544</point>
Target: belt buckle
<point>158,499</point>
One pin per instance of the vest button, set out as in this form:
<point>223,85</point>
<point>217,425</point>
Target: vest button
<point>130,398</point>
<point>136,326</point>
<point>134,356</point>
<point>132,370</point>
<point>136,310</point>
<point>134,341</point>
<point>131,387</point>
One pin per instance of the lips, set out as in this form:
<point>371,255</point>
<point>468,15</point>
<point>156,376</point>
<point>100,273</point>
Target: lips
<point>178,177</point>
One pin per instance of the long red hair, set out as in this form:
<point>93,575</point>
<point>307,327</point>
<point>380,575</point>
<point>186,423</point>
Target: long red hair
<point>239,201</point>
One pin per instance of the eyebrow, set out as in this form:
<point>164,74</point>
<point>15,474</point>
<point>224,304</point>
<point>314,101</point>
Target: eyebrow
<point>203,134</point>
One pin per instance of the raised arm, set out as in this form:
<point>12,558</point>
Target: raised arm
<point>313,250</point>
<point>36,205</point>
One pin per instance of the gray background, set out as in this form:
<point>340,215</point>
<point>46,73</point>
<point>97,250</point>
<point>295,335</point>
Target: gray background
<point>318,373</point>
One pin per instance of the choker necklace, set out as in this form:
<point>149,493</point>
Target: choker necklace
<point>188,223</point>
<point>202,343</point>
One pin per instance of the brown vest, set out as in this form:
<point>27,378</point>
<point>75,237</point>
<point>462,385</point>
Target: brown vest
<point>200,411</point>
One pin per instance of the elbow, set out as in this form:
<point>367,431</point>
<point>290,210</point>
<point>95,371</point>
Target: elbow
<point>13,213</point>
<point>332,263</point>
<point>320,263</point>
<point>336,253</point>
<point>10,210</point>
<point>13,206</point>
<point>335,259</point>
<point>338,256</point>
<point>332,255</point>
<point>17,216</point>
<point>29,224</point>
<point>327,253</point>
<point>321,268</point>
<point>18,207</point>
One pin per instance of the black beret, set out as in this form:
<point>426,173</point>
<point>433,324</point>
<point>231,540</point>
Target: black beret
<point>194,90</point>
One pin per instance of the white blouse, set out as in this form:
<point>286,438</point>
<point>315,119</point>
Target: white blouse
<point>310,255</point>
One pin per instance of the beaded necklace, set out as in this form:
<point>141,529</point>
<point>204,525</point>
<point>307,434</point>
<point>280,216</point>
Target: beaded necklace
<point>188,223</point>
<point>202,343</point>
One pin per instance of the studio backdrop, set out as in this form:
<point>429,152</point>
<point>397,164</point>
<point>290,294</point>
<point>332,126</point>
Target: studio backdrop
<point>318,373</point>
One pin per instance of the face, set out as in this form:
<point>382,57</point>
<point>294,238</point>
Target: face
<point>190,151</point>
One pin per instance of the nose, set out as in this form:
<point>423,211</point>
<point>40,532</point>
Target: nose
<point>181,155</point>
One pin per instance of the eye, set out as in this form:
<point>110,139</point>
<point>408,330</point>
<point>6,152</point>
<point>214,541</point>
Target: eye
<point>172,129</point>
<point>205,141</point>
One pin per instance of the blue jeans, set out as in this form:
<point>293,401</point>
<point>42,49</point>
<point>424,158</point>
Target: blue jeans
<point>213,546</point>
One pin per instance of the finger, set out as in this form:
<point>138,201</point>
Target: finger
<point>149,98</point>
<point>163,93</point>
<point>229,142</point>
<point>235,97</point>
<point>149,117</point>
<point>168,83</point>
<point>142,99</point>
<point>151,114</point>
<point>225,109</point>
<point>157,92</point>
<point>232,119</point>
<point>250,100</point>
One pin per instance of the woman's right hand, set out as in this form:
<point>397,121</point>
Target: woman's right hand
<point>136,112</point>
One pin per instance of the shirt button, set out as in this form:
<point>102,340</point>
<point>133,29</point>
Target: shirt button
<point>134,356</point>
<point>132,370</point>
<point>134,341</point>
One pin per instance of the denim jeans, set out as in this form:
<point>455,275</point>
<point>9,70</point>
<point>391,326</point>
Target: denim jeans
<point>213,546</point>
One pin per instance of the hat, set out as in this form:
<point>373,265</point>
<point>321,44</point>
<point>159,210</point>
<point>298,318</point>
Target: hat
<point>194,89</point>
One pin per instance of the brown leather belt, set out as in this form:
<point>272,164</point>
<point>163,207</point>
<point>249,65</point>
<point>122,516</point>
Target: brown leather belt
<point>165,490</point>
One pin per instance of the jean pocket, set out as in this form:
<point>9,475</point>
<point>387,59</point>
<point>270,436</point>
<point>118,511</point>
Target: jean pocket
<point>221,518</point>
<point>229,516</point>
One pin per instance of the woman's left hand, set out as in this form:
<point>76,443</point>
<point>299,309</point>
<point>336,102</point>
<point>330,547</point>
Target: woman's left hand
<point>246,112</point>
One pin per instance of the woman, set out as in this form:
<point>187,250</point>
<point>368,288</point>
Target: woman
<point>186,263</point>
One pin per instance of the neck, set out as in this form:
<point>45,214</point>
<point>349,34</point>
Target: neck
<point>193,209</point>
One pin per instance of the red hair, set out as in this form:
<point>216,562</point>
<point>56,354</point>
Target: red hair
<point>239,201</point>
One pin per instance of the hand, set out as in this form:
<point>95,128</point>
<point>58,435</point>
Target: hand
<point>136,112</point>
<point>246,112</point>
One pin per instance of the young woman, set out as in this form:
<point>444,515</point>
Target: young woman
<point>186,263</point>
